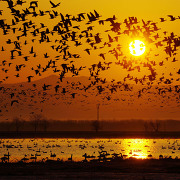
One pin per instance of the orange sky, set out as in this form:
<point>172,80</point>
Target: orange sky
<point>122,9</point>
<point>153,11</point>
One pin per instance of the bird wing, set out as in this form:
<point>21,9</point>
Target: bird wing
<point>52,3</point>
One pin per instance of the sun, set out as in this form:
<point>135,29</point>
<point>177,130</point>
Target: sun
<point>137,48</point>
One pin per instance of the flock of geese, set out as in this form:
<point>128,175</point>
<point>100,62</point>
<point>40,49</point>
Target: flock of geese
<point>23,34</point>
<point>85,150</point>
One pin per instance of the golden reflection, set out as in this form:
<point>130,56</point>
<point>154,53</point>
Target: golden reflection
<point>137,148</point>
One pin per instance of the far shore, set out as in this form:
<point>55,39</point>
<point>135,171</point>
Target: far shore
<point>90,134</point>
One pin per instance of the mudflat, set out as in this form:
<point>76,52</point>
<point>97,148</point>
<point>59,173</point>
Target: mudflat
<point>120,169</point>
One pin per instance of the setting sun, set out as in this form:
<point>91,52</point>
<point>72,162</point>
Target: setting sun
<point>137,48</point>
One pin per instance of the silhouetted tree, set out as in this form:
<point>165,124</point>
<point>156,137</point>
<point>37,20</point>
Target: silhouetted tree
<point>155,125</point>
<point>18,122</point>
<point>35,119</point>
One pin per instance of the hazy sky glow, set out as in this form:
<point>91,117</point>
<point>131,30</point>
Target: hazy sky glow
<point>96,51</point>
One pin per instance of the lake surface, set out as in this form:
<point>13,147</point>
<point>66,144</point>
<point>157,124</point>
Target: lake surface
<point>64,148</point>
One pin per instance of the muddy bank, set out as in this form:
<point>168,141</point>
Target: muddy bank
<point>130,167</point>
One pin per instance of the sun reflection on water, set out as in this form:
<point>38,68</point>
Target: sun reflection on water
<point>137,148</point>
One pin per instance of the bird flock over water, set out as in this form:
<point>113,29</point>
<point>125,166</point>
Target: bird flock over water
<point>40,42</point>
<point>44,150</point>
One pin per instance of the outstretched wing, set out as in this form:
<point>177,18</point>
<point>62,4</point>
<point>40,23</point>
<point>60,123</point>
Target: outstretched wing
<point>52,3</point>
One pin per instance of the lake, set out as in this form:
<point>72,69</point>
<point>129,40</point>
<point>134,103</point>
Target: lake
<point>64,149</point>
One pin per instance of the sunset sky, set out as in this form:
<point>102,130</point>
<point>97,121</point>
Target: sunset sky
<point>161,101</point>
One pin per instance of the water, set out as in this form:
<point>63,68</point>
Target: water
<point>64,148</point>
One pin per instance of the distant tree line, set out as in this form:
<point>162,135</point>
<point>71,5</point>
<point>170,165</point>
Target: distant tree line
<point>39,123</point>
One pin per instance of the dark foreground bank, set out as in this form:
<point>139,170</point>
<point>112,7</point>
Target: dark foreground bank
<point>90,134</point>
<point>123,169</point>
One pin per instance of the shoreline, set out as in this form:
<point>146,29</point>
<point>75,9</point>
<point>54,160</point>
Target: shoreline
<point>91,135</point>
<point>130,166</point>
